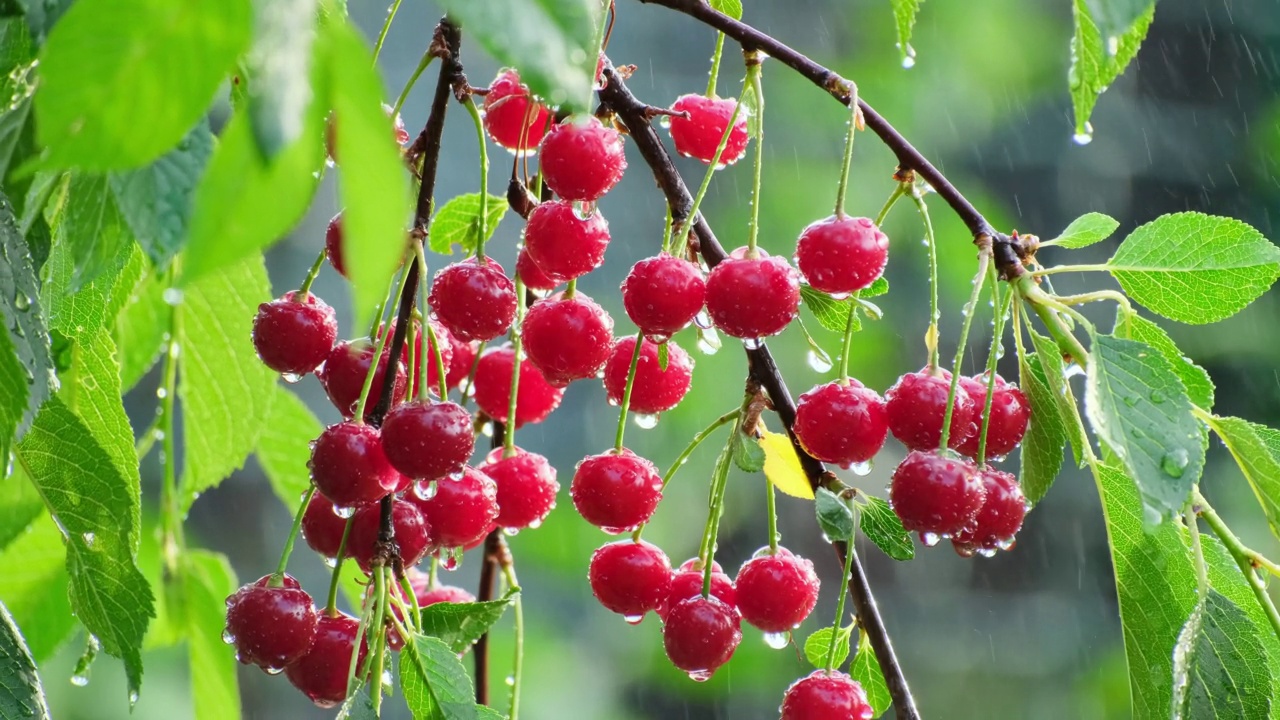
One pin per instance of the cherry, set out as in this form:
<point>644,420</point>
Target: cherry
<point>349,467</point>
<point>563,244</point>
<point>531,275</point>
<point>333,244</point>
<point>916,405</point>
<point>842,255</point>
<point>507,115</point>
<point>826,696</point>
<point>412,533</point>
<point>687,583</point>
<point>842,424</point>
<point>1000,518</point>
<point>934,494</point>
<point>293,336</point>
<point>582,159</point>
<point>654,390</point>
<point>428,440</point>
<point>422,352</point>
<point>270,626</point>
<point>345,370</point>
<point>1010,412</point>
<point>463,358</point>
<point>698,136</point>
<point>616,490</point>
<point>322,528</point>
<point>776,592</point>
<point>461,509</point>
<point>630,577</point>
<point>567,338</point>
<point>752,297</point>
<point>321,674</point>
<point>527,487</point>
<point>428,595</point>
<point>700,634</point>
<point>535,398</point>
<point>476,301</point>
<point>662,294</point>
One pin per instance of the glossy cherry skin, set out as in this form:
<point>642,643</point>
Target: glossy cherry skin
<point>563,245</point>
<point>428,440</point>
<point>934,494</point>
<point>293,337</point>
<point>333,244</point>
<point>321,674</point>
<point>916,405</point>
<point>344,373</point>
<point>527,487</point>
<point>322,528</point>
<point>349,467</point>
<point>700,634</point>
<point>535,398</point>
<point>752,297</point>
<point>654,390</point>
<point>461,510</point>
<point>531,275</point>
<point>567,338</point>
<point>1010,414</point>
<point>630,578</point>
<point>428,596</point>
<point>460,364</point>
<point>841,255</point>
<point>476,301</point>
<point>507,115</point>
<point>616,491</point>
<point>414,365</point>
<point>776,592</point>
<point>841,424</point>
<point>582,159</point>
<point>686,582</point>
<point>823,696</point>
<point>270,626</point>
<point>1000,518</point>
<point>663,294</point>
<point>412,533</point>
<point>698,136</point>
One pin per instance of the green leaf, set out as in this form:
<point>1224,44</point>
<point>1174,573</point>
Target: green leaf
<point>71,311</point>
<point>459,625</point>
<point>818,646</point>
<point>457,222</point>
<point>89,227</point>
<point>904,15</point>
<point>883,528</point>
<point>27,335</point>
<point>732,8</point>
<point>140,327</point>
<point>161,58</point>
<point>1195,268</point>
<point>284,446</point>
<point>1256,449</point>
<point>155,200</point>
<point>225,390</point>
<point>373,184</point>
<point>1225,577</point>
<point>835,517</point>
<point>435,684</point>
<point>1114,17</point>
<point>1097,61</point>
<point>1086,230</point>
<point>20,505</point>
<point>1139,409</point>
<point>21,695</point>
<point>831,314</point>
<point>207,581</point>
<point>1217,657</point>
<point>1055,377</point>
<point>279,67</point>
<point>552,42</point>
<point>865,668</point>
<point>1199,386</point>
<point>1041,455</point>
<point>34,584</point>
<point>747,453</point>
<point>17,75</point>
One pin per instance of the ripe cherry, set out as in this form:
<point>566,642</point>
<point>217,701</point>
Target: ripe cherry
<point>1010,412</point>
<point>412,533</point>
<point>567,338</point>
<point>687,583</point>
<point>531,275</point>
<point>752,297</point>
<point>293,336</point>
<point>654,390</point>
<point>527,487</point>
<point>461,362</point>
<point>616,491</point>
<point>698,136</point>
<point>428,440</point>
<point>842,424</point>
<point>916,405</point>
<point>700,634</point>
<point>535,398</point>
<point>662,294</point>
<point>507,115</point>
<point>841,255</point>
<point>428,595</point>
<point>935,495</point>
<point>321,674</point>
<point>776,592</point>
<point>333,244</point>
<point>630,577</point>
<point>322,528</point>
<point>461,509</point>
<point>476,301</point>
<point>826,696</point>
<point>1000,518</point>
<point>582,159</point>
<point>563,244</point>
<point>345,370</point>
<point>270,626</point>
<point>414,365</point>
<point>349,467</point>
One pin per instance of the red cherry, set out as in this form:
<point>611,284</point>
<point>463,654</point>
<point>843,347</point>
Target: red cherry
<point>916,405</point>
<point>842,424</point>
<point>527,487</point>
<point>531,275</point>
<point>582,159</point>
<point>322,528</point>
<point>345,370</point>
<point>461,510</point>
<point>776,592</point>
<point>321,674</point>
<point>654,390</point>
<point>428,595</point>
<point>687,583</point>
<point>662,294</point>
<point>507,115</point>
<point>630,577</point>
<point>464,357</point>
<point>349,467</point>
<point>561,243</point>
<point>1010,413</point>
<point>428,440</point>
<point>475,301</point>
<point>616,491</point>
<point>698,136</point>
<point>293,337</point>
<point>935,495</point>
<point>270,626</point>
<point>333,244</point>
<point>412,533</point>
<point>1000,518</point>
<point>752,297</point>
<point>567,338</point>
<point>700,634</point>
<point>535,398</point>
<point>826,696</point>
<point>842,255</point>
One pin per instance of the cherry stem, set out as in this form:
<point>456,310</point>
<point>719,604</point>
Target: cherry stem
<point>277,578</point>
<point>570,289</point>
<point>844,579</point>
<point>379,634</point>
<point>174,541</point>
<point>1072,268</point>
<point>847,347</point>
<point>970,309</point>
<point>900,190</point>
<point>433,342</point>
<point>1043,306</point>
<point>464,390</point>
<point>666,231</point>
<point>931,336</point>
<point>719,483</point>
<point>626,393</point>
<point>423,64</point>
<point>331,608</point>
<point>513,398</point>
<point>753,80</point>
<point>1243,556</point>
<point>386,25</point>
<point>715,67</point>
<point>354,670</point>
<point>843,187</point>
<point>683,457</point>
<point>517,608</point>
<point>993,358</point>
<point>305,289</point>
<point>713,167</point>
<point>388,377</point>
<point>474,112</point>
<point>771,502</point>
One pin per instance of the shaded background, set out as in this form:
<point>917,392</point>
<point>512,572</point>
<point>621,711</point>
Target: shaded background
<point>1032,633</point>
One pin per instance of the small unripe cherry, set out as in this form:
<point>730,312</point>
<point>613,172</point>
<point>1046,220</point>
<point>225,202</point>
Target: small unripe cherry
<point>663,294</point>
<point>582,159</point>
<point>630,577</point>
<point>616,491</point>
<point>655,390</point>
<point>567,338</point>
<point>507,115</point>
<point>526,485</point>
<point>935,495</point>
<point>563,244</point>
<point>535,398</point>
<point>699,135</point>
<point>842,424</point>
<point>1000,518</point>
<point>348,465</point>
<point>700,635</point>
<point>841,255</point>
<point>428,440</point>
<point>475,300</point>
<point>750,297</point>
<point>293,336</point>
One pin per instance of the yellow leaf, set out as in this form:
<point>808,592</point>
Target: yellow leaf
<point>782,466</point>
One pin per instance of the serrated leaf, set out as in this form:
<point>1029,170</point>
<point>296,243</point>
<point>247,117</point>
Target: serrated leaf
<point>457,222</point>
<point>92,307</point>
<point>1055,374</point>
<point>21,694</point>
<point>20,504</point>
<point>904,15</point>
<point>1217,657</point>
<point>1225,577</point>
<point>1256,449</point>
<point>279,67</point>
<point>1046,438</point>
<point>1196,379</point>
<point>28,338</point>
<point>225,390</point>
<point>1097,60</point>
<point>782,465</point>
<point>865,668</point>
<point>92,231</point>
<point>882,527</point>
<point>207,581</point>
<point>732,8</point>
<point>1086,230</point>
<point>140,327</point>
<point>1138,407</point>
<point>1195,268</point>
<point>161,58</point>
<point>284,446</point>
<point>17,51</point>
<point>460,625</point>
<point>747,453</point>
<point>835,517</point>
<point>1114,17</point>
<point>34,584</point>
<point>818,645</point>
<point>833,314</point>
<point>435,684</point>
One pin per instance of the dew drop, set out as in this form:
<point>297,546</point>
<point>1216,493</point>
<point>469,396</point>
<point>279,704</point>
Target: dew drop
<point>79,680</point>
<point>162,393</point>
<point>665,122</point>
<point>819,363</point>
<point>133,698</point>
<point>908,58</point>
<point>330,562</point>
<point>1130,400</point>
<point>1085,136</point>
<point>777,641</point>
<point>1174,463</point>
<point>511,531</point>
<point>88,538</point>
<point>1007,543</point>
<point>1071,370</point>
<point>228,638</point>
<point>930,539</point>
<point>987,552</point>
<point>1113,45</point>
<point>1156,397</point>
<point>290,378</point>
<point>700,675</point>
<point>1151,516</point>
<point>273,670</point>
<point>702,320</point>
<point>344,512</point>
<point>510,681</point>
<point>21,300</point>
<point>708,342</point>
<point>633,619</point>
<point>965,550</point>
<point>172,296</point>
<point>752,343</point>
<point>487,429</point>
<point>645,421</point>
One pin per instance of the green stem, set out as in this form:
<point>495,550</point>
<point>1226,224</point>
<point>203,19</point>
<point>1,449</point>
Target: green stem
<point>1095,296</point>
<point>301,295</point>
<point>843,186</point>
<point>423,64</point>
<point>683,457</point>
<point>377,629</point>
<point>1197,554</point>
<point>386,25</point>
<point>970,309</point>
<point>174,543</point>
<point>464,389</point>
<point>377,357</point>
<point>993,357</point>
<point>847,346</point>
<point>753,78</point>
<point>712,168</point>
<point>474,112</point>
<point>771,502</point>
<point>570,289</point>
<point>331,607</point>
<point>517,663</point>
<point>277,579</point>
<point>433,343</point>
<point>719,482</point>
<point>666,231</point>
<point>715,67</point>
<point>411,604</point>
<point>1242,556</point>
<point>898,192</point>
<point>148,438</point>
<point>626,393</point>
<point>1042,305</point>
<point>931,337</point>
<point>1072,268</point>
<point>844,583</point>
<point>517,332</point>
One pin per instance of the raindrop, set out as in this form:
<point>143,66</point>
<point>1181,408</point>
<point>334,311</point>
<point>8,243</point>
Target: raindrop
<point>133,698</point>
<point>426,489</point>
<point>538,523</point>
<point>708,342</point>
<point>646,421</point>
<point>162,393</point>
<point>79,680</point>
<point>862,469</point>
<point>227,637</point>
<point>702,320</point>
<point>908,58</point>
<point>1084,137</point>
<point>819,362</point>
<point>1113,45</point>
<point>665,122</point>
<point>1151,516</point>
<point>172,296</point>
<point>1007,543</point>
<point>8,466</point>
<point>1130,400</point>
<point>290,378</point>
<point>487,429</point>
<point>965,550</point>
<point>273,670</point>
<point>1157,397</point>
<point>700,675</point>
<point>752,343</point>
<point>930,539</point>
<point>1071,370</point>
<point>1174,463</point>
<point>344,512</point>
<point>633,619</point>
<point>21,300</point>
<point>510,681</point>
<point>987,552</point>
<point>88,538</point>
<point>329,562</point>
<point>777,641</point>
<point>511,531</point>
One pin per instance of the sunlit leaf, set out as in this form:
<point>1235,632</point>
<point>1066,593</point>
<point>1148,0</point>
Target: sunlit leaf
<point>284,446</point>
<point>459,625</point>
<point>1256,449</point>
<point>1046,438</point>
<point>883,527</point>
<point>207,581</point>
<point>904,15</point>
<point>435,684</point>
<point>1056,380</point>
<point>866,670</point>
<point>1199,386</point>
<point>279,68</point>
<point>457,222</point>
<point>818,645</point>
<point>1096,61</point>
<point>1217,656</point>
<point>747,453</point>
<point>732,8</point>
<point>91,230</point>
<point>1114,17</point>
<point>21,695</point>
<point>1086,230</point>
<point>782,466</point>
<point>835,517</point>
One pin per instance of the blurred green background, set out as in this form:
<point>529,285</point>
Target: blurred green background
<point>1032,633</point>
